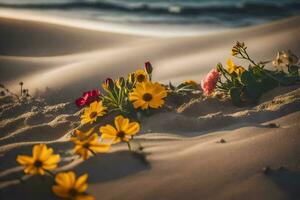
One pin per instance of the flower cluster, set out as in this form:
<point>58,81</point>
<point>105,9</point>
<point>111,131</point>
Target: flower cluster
<point>43,161</point>
<point>126,96</point>
<point>123,98</point>
<point>247,85</point>
<point>129,98</point>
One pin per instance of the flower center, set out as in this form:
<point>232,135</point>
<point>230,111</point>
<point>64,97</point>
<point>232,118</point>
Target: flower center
<point>86,145</point>
<point>121,134</point>
<point>147,97</point>
<point>140,78</point>
<point>93,114</point>
<point>38,164</point>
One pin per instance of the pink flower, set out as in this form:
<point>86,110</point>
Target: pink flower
<point>88,97</point>
<point>209,83</point>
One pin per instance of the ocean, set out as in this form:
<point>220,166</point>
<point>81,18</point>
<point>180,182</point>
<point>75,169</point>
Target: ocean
<point>224,13</point>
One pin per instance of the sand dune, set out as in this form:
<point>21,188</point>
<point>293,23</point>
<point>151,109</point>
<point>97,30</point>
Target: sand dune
<point>80,58</point>
<point>184,155</point>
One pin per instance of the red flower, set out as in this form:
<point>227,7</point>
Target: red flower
<point>88,97</point>
<point>209,83</point>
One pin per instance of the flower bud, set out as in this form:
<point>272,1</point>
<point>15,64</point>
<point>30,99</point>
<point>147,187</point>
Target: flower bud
<point>108,84</point>
<point>120,82</point>
<point>131,78</point>
<point>148,67</point>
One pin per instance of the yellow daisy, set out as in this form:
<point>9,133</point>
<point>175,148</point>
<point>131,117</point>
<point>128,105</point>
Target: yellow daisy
<point>232,68</point>
<point>88,145</point>
<point>148,94</point>
<point>141,76</point>
<point>123,130</point>
<point>42,160</point>
<point>96,109</point>
<point>68,187</point>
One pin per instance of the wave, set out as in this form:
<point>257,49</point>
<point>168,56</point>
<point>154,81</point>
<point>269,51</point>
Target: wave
<point>251,8</point>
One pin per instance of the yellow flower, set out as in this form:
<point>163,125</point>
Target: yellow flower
<point>148,94</point>
<point>87,144</point>
<point>237,48</point>
<point>239,70</point>
<point>234,52</point>
<point>141,76</point>
<point>232,68</point>
<point>42,160</point>
<point>123,130</point>
<point>68,187</point>
<point>96,109</point>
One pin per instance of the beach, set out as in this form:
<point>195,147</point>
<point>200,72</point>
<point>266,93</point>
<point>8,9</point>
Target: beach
<point>60,59</point>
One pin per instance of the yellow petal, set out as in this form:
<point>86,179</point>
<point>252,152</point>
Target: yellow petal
<point>25,160</point>
<point>84,197</point>
<point>121,123</point>
<point>138,104</point>
<point>100,148</point>
<point>108,130</point>
<point>36,151</point>
<point>45,153</point>
<point>41,171</point>
<point>30,170</point>
<point>65,179</point>
<point>50,167</point>
<point>80,184</point>
<point>60,191</point>
<point>83,152</point>
<point>133,128</point>
<point>108,137</point>
<point>53,159</point>
<point>230,63</point>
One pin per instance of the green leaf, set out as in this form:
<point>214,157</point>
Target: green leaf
<point>172,87</point>
<point>247,78</point>
<point>235,95</point>
<point>253,91</point>
<point>293,70</point>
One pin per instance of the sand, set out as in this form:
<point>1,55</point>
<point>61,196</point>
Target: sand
<point>185,157</point>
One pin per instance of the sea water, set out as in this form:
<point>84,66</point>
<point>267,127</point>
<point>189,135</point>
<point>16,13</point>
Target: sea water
<point>225,13</point>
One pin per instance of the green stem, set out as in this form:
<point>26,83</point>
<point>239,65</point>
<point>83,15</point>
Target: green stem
<point>129,145</point>
<point>21,180</point>
<point>50,173</point>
